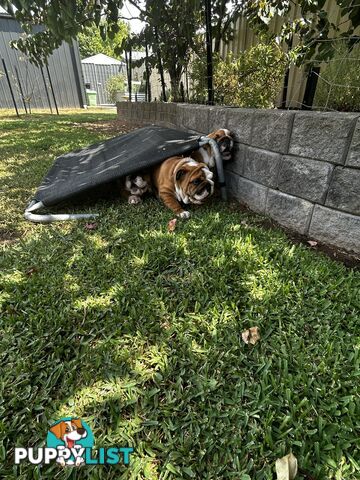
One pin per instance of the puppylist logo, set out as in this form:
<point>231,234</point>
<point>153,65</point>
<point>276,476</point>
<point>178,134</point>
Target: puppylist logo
<point>70,442</point>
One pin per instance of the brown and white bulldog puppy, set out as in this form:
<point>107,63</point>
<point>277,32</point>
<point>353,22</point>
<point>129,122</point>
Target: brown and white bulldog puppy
<point>134,187</point>
<point>225,142</point>
<point>182,180</point>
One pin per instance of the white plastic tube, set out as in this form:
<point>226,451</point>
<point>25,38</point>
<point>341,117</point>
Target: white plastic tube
<point>50,217</point>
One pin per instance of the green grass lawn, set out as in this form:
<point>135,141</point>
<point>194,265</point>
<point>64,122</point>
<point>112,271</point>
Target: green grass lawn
<point>138,331</point>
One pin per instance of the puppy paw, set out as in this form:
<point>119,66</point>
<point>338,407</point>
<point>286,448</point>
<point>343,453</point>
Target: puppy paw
<point>61,461</point>
<point>79,461</point>
<point>134,200</point>
<point>184,214</point>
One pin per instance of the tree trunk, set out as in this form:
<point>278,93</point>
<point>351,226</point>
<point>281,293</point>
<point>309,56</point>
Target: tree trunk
<point>175,86</point>
<point>218,27</point>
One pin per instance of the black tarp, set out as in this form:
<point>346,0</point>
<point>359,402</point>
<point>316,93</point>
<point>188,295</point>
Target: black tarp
<point>98,164</point>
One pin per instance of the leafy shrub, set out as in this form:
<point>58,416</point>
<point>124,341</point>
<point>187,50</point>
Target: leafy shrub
<point>338,86</point>
<point>253,79</point>
<point>115,84</point>
<point>198,73</point>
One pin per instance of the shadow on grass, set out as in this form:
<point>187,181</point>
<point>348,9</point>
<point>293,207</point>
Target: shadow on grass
<point>28,147</point>
<point>138,331</point>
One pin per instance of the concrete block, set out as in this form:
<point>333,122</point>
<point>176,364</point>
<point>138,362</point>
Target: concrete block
<point>239,122</point>
<point>216,118</point>
<point>344,191</point>
<point>122,110</point>
<point>193,117</point>
<point>336,228</point>
<point>262,166</point>
<point>236,165</point>
<point>169,108</point>
<point>289,211</point>
<point>271,129</point>
<point>305,178</point>
<point>246,191</point>
<point>354,151</point>
<point>324,136</point>
<point>145,112</point>
<point>160,116</point>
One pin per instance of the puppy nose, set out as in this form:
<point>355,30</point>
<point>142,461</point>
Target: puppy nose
<point>81,431</point>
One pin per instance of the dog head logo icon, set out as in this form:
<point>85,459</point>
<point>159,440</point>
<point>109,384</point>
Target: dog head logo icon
<point>70,436</point>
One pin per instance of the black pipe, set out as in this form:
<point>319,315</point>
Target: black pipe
<point>78,82</point>
<point>10,87</point>
<point>128,71</point>
<point>285,88</point>
<point>20,88</point>
<point>286,78</point>
<point>160,65</point>
<point>52,88</point>
<point>46,90</point>
<point>210,87</point>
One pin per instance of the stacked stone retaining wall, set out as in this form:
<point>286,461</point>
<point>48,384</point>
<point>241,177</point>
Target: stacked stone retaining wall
<point>302,169</point>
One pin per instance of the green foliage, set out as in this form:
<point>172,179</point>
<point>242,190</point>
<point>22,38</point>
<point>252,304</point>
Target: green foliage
<point>176,24</point>
<point>138,331</point>
<point>91,42</point>
<point>223,19</point>
<point>252,80</point>
<point>338,86</point>
<point>313,27</point>
<point>115,84</point>
<point>62,21</point>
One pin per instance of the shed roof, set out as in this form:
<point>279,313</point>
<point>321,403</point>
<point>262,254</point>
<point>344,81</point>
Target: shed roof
<point>101,59</point>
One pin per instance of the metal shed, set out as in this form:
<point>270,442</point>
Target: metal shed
<point>97,69</point>
<point>64,72</point>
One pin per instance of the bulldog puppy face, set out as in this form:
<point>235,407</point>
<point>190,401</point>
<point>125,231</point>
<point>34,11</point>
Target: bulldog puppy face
<point>136,185</point>
<point>69,431</point>
<point>225,141</point>
<point>193,181</point>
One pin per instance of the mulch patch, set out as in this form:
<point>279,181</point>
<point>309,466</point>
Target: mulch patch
<point>8,237</point>
<point>113,127</point>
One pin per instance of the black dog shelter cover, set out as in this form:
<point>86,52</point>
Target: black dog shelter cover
<point>97,164</point>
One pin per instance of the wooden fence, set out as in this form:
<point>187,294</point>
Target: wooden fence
<point>245,38</point>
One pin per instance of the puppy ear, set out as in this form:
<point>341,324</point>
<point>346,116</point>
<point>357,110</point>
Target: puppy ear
<point>179,174</point>
<point>57,430</point>
<point>213,134</point>
<point>77,422</point>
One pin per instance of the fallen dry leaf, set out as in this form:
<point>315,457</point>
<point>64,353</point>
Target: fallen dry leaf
<point>172,225</point>
<point>251,336</point>
<point>31,271</point>
<point>90,226</point>
<point>312,243</point>
<point>286,467</point>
